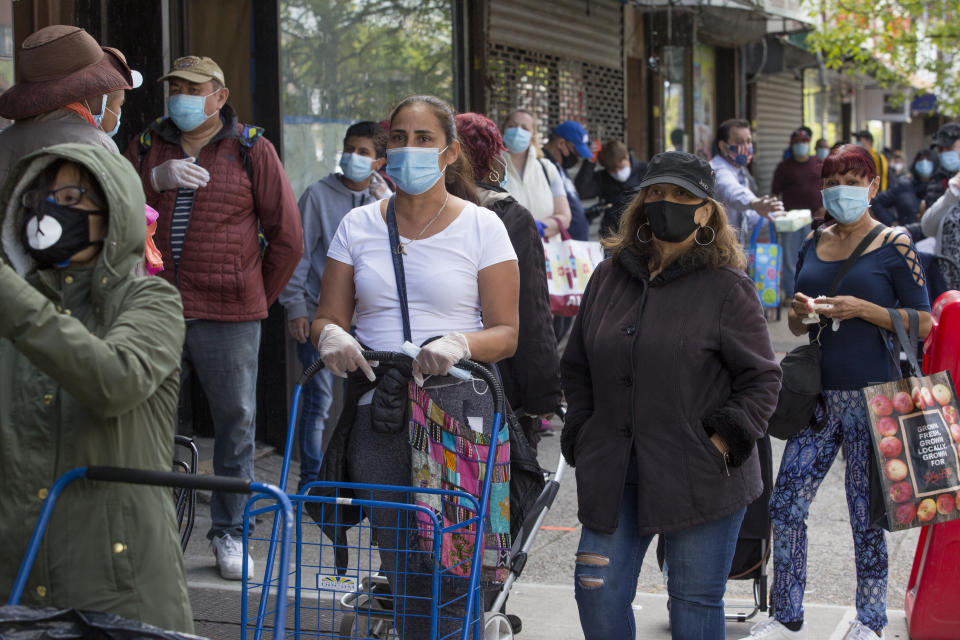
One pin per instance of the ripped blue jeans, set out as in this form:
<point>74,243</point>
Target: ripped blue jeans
<point>605,577</point>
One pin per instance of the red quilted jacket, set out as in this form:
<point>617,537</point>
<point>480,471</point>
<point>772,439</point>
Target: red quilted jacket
<point>221,275</point>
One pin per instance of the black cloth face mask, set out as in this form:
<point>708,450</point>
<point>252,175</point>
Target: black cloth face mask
<point>569,160</point>
<point>55,232</point>
<point>672,221</point>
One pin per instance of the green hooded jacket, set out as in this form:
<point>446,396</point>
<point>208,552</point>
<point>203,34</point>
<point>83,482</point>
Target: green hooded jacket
<point>89,375</point>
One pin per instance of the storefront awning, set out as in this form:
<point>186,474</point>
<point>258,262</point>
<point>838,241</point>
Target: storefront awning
<point>737,22</point>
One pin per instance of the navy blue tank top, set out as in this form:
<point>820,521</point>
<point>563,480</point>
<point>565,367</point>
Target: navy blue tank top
<point>857,354</point>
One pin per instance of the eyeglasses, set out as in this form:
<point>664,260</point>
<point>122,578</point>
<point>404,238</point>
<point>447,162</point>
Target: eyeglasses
<point>68,196</point>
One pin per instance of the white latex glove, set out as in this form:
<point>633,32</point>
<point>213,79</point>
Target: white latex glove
<point>341,353</point>
<point>437,357</point>
<point>179,174</point>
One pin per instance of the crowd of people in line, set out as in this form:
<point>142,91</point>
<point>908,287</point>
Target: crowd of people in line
<point>430,231</point>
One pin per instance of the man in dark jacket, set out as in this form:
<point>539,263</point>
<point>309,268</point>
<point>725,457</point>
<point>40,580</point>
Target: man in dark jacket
<point>947,142</point>
<point>215,183</point>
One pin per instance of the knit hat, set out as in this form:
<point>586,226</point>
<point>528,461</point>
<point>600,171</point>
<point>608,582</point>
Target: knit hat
<point>59,65</point>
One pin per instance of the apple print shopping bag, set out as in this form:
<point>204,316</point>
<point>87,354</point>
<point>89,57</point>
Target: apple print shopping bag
<point>915,428</point>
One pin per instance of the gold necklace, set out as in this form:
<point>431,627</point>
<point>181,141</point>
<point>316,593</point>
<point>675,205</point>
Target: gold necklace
<point>402,248</point>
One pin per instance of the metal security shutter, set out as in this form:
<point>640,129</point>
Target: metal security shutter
<point>561,60</point>
<point>585,30</point>
<point>779,113</point>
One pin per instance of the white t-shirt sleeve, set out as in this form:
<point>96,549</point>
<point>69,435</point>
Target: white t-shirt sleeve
<point>495,245</point>
<point>557,189</point>
<point>340,245</point>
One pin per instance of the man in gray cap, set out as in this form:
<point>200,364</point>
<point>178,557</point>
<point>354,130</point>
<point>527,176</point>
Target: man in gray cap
<point>65,76</point>
<point>215,183</point>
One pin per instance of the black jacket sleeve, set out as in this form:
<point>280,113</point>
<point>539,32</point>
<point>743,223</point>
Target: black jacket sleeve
<point>755,375</point>
<point>575,371</point>
<point>586,181</point>
<point>532,375</point>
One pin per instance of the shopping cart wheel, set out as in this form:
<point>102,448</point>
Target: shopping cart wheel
<point>497,627</point>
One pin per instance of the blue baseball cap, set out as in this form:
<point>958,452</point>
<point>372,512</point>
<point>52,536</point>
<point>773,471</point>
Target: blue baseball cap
<point>574,133</point>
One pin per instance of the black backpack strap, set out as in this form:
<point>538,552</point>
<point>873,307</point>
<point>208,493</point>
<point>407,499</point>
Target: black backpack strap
<point>848,264</point>
<point>906,340</point>
<point>398,274</point>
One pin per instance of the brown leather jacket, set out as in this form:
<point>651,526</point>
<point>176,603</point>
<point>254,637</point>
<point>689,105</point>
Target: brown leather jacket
<point>221,275</point>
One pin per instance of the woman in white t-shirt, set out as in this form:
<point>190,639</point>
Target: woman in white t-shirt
<point>462,286</point>
<point>533,182</point>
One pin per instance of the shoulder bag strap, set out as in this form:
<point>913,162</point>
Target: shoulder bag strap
<point>397,258</point>
<point>907,341</point>
<point>848,264</point>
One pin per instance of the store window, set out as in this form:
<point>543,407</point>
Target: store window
<point>6,50</point>
<point>674,94</point>
<point>821,107</point>
<point>347,61</point>
<point>704,96</point>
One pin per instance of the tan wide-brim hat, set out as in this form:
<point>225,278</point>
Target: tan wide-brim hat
<point>59,65</point>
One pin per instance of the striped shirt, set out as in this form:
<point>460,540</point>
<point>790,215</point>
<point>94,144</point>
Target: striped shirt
<point>182,209</point>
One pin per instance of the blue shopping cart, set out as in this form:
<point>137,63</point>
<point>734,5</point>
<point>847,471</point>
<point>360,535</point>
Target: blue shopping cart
<point>401,568</point>
<point>261,491</point>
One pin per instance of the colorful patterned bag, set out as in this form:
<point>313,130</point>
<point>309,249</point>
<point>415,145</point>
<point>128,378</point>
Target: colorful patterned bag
<point>446,454</point>
<point>764,260</point>
<point>570,263</point>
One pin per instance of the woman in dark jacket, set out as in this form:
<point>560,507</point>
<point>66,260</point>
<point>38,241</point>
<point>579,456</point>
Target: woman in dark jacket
<point>531,378</point>
<point>900,204</point>
<point>670,378</point>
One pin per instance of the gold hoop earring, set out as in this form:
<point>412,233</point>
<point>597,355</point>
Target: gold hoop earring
<point>493,177</point>
<point>641,240</point>
<point>696,235</point>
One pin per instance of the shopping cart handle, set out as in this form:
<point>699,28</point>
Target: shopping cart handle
<point>169,479</point>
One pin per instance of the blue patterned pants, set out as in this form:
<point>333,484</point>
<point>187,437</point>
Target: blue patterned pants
<point>806,460</point>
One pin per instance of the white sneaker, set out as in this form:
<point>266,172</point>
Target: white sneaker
<point>771,629</point>
<point>859,631</point>
<point>229,554</point>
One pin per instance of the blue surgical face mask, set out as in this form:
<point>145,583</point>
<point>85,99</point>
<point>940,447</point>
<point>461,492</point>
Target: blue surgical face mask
<point>187,112</point>
<point>823,152</point>
<point>924,168</point>
<point>98,117</point>
<point>355,167</point>
<point>414,169</point>
<point>846,203</point>
<point>800,149</point>
<point>517,139</point>
<point>950,160</point>
<point>116,127</point>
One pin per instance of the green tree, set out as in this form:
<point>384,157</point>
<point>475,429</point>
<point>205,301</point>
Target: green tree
<point>900,43</point>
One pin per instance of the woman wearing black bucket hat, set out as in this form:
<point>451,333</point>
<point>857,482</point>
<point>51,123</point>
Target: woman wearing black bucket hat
<point>670,378</point>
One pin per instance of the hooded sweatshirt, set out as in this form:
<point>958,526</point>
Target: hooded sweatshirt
<point>322,206</point>
<point>89,375</point>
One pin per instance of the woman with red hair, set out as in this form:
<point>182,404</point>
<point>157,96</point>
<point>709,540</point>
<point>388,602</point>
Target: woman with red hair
<point>855,354</point>
<point>531,378</point>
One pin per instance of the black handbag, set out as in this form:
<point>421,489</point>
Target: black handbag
<point>800,384</point>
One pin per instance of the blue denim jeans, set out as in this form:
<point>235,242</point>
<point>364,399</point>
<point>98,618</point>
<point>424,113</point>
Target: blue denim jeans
<point>699,562</point>
<point>315,399</point>
<point>223,356</point>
